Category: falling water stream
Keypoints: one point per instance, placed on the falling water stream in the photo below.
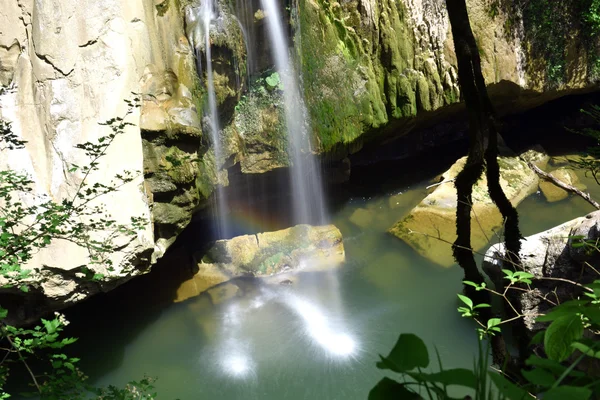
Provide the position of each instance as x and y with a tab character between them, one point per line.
308	203
201	18
307	190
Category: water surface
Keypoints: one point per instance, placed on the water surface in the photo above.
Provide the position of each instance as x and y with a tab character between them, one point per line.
316	339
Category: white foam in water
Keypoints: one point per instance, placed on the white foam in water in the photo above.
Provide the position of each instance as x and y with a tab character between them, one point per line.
237	365
235	350
317	326
235	355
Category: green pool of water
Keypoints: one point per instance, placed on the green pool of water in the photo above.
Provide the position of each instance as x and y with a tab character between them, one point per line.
316	339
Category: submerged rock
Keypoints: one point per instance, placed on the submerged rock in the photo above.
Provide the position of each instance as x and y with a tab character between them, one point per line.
552	192
430	228
362	217
549	254
299	248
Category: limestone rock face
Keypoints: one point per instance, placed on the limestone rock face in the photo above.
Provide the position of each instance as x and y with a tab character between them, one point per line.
364	64
550	254
396	60
69	66
256	137
430	228
537	156
300	248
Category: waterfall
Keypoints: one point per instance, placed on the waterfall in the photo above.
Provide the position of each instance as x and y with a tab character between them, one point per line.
200	19
246	20
307	191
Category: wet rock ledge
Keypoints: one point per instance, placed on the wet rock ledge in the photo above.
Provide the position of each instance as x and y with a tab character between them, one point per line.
300	248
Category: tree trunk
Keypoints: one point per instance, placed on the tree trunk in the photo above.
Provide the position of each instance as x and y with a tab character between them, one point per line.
483	151
483	140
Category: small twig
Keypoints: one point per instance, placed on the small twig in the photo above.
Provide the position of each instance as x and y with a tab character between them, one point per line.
548	278
587	264
440	183
535	294
35	382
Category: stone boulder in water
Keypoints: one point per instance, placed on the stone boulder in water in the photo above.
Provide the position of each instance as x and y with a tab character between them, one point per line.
300	248
549	254
430	228
552	192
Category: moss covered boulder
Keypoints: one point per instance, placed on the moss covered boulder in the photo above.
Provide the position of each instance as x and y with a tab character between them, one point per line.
256	136
300	248
368	64
430	228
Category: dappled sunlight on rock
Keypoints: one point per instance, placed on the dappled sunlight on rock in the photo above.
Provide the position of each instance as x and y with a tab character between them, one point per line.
301	248
430	227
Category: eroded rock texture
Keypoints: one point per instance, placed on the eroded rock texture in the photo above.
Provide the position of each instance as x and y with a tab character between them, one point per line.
366	65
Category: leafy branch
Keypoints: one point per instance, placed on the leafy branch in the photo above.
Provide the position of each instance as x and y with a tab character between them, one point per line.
30	223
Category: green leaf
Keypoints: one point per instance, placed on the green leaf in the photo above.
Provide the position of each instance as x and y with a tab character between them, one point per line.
3	313
50	325
538	338
560	335
492	322
554	366
509	274
568	393
466	300
507	388
585	349
389	389
577	245
593	313
567	308
408	353
539	377
273	80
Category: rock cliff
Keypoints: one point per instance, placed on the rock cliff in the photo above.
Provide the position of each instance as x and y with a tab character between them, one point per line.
395	60
366	65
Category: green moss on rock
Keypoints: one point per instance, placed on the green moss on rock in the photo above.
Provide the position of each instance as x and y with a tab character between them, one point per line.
257	137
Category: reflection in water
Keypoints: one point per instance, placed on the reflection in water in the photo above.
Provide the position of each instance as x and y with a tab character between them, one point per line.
235	354
319	329
237	364
316	338
324	328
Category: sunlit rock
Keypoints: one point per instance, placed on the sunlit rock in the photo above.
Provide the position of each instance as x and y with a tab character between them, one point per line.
418	68
554	193
537	156
300	248
549	254
430	228
71	66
